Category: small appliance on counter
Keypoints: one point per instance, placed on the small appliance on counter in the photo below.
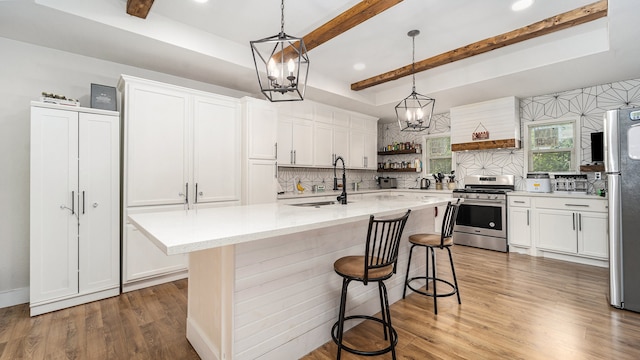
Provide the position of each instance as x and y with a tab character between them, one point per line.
575	183
388	183
425	183
538	182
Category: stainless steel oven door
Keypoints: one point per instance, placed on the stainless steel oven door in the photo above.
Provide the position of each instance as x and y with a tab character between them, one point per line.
483	217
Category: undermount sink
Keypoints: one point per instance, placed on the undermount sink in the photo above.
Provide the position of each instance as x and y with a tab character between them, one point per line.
315	204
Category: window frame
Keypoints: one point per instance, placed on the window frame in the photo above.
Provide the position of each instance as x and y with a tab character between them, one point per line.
426	166
575	152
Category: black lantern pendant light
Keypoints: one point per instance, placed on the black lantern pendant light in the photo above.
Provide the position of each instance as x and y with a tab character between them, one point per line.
415	111
282	65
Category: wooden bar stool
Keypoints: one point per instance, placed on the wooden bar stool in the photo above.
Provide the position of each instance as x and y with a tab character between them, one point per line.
377	264
444	240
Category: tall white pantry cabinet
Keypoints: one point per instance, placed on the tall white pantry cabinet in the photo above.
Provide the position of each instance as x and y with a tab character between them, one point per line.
181	152
74	206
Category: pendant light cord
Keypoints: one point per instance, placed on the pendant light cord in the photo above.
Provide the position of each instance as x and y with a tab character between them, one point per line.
413	63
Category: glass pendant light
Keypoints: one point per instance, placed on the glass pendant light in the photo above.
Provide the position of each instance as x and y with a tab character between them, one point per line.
415	111
282	65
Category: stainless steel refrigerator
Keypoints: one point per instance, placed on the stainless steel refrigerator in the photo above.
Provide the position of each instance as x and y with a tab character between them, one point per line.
622	166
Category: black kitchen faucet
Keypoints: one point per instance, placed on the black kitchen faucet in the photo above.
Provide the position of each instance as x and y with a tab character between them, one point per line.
343	197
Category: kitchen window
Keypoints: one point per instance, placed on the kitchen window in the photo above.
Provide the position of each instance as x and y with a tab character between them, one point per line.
552	146
438	155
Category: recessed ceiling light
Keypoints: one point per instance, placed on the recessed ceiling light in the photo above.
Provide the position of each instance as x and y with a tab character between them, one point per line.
359	66
521	5
201	1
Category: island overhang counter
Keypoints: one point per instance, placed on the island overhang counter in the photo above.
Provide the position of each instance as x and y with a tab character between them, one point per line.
261	280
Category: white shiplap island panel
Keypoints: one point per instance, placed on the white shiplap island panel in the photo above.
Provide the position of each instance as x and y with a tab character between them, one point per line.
261	279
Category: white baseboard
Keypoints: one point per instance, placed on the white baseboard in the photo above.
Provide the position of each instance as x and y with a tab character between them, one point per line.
57	304
14	297
153	281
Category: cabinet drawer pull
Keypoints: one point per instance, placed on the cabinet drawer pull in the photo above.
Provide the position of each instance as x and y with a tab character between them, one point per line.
578	205
518	202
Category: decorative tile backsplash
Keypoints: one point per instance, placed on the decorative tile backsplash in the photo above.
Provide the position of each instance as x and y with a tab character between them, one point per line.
589	104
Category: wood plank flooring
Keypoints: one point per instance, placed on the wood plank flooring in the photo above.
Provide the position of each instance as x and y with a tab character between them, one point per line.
513	307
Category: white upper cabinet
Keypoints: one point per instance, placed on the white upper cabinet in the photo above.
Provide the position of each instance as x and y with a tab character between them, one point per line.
295	142
216	145
157	121
363	141
333	132
182	146
261	122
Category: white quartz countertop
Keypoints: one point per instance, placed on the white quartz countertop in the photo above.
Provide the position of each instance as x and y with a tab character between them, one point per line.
310	194
176	232
556	194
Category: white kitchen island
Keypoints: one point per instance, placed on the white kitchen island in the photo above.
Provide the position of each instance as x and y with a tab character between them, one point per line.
261	279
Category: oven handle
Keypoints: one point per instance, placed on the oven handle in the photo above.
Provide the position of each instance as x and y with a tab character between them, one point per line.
483	202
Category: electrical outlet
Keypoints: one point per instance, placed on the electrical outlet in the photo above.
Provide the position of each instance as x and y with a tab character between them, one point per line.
598	176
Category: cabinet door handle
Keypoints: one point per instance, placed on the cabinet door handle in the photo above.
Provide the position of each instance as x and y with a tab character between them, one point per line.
527	217
436	211
275	155
295	157
579	222
196	193
73	203
574	220
186	190
276	172
291	157
82	202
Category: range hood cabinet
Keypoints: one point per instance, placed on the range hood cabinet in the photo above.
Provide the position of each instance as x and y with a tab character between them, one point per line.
496	124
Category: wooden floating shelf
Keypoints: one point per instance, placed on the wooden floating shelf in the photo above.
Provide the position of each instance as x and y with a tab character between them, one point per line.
485	145
398	152
591	168
398	170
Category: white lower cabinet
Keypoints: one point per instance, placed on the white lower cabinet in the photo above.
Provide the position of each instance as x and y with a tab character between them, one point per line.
74	206
519	222
153	264
573	229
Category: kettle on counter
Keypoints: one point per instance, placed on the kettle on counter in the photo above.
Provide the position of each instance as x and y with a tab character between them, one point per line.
425	183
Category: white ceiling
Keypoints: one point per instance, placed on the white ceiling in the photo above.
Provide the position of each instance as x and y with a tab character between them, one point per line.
210	43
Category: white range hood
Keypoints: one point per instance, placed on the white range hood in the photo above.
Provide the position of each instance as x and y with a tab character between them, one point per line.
493	124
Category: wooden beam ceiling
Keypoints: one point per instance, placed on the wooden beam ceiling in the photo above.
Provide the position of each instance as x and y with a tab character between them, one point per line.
139	8
352	17
562	21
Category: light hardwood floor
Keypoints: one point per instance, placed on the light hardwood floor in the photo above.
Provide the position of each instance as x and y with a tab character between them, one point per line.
513	307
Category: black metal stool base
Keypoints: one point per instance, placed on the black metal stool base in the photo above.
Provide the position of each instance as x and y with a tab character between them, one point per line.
453	291
387	329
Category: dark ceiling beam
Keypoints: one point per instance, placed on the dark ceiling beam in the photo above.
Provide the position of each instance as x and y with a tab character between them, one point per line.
352	17
559	22
139	8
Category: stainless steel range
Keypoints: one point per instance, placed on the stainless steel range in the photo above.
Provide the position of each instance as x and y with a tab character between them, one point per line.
482	218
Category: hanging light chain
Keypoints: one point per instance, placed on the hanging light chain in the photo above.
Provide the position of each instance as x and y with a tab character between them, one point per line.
282	17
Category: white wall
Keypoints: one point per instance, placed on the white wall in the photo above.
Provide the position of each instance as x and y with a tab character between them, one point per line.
26	71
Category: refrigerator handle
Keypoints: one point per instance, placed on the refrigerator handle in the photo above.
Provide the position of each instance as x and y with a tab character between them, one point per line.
615	241
611	142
